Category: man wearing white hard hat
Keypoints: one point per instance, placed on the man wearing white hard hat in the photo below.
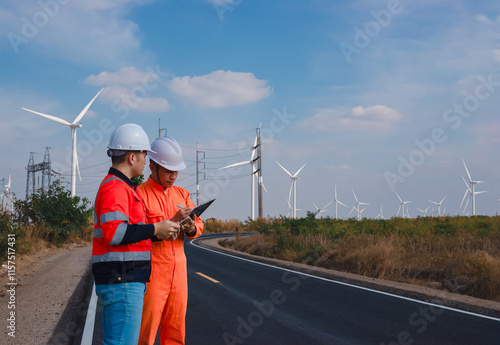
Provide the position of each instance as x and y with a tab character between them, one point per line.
165	301
121	247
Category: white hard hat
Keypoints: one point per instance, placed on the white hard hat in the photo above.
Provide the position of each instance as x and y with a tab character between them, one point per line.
128	137
167	152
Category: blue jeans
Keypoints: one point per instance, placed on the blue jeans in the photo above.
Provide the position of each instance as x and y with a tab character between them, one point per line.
122	312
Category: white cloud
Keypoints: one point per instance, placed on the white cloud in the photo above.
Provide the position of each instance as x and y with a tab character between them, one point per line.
221	89
483	18
130	87
377	118
87	32
222	2
126	97
125	76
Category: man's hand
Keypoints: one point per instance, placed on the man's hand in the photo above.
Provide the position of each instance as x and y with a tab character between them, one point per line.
181	214
188	226
166	229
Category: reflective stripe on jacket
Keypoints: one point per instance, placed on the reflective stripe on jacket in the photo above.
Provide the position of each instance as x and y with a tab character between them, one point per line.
121	247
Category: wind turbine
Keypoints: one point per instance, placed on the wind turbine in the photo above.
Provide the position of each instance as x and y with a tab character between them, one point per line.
252	163
337	201
322	209
8	205
293	185
402	206
73	125
381	214
424	211
358	203
473	193
439	206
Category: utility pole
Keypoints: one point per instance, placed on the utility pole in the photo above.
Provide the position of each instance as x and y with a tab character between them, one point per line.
161	129
259	173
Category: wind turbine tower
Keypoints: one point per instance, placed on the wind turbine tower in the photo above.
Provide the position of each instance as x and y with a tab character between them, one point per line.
337	201
73	125
472	191
293	185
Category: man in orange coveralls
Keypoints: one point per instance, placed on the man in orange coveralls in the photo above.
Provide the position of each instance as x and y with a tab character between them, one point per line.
165	301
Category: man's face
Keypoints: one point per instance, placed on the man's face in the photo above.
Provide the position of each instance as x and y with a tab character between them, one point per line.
139	163
167	177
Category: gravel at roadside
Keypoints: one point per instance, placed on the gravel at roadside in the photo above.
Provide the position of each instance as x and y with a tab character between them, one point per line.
46	283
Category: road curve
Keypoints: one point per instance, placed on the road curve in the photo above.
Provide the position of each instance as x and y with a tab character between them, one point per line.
236	301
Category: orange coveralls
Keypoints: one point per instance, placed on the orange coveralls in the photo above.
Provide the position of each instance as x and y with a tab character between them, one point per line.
165	301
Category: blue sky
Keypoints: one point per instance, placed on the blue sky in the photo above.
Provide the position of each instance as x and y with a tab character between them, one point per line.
375	96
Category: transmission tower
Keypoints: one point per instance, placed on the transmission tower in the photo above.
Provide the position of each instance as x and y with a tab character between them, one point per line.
44	168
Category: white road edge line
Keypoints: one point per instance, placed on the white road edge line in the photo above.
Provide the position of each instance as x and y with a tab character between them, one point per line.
88	330
351	285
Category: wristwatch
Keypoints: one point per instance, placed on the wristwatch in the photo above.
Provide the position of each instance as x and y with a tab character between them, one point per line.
192	233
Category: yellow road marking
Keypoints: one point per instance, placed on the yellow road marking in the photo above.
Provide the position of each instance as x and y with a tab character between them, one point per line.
207	277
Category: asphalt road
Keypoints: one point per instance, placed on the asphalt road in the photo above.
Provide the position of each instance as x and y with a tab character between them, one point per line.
236	301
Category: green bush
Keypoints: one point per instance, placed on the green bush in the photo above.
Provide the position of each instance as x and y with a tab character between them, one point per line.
61	213
8	227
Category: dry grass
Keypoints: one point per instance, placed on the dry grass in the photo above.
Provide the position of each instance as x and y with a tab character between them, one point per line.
213	225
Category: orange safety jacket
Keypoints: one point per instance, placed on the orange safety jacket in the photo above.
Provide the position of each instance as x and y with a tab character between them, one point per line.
121	247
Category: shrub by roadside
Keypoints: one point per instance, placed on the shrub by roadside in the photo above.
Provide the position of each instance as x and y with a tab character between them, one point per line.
44	219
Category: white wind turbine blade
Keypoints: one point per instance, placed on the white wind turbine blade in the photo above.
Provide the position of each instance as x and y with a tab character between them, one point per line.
434	202
340	202
467	170
353	208
466	184
235	165
298	171
50	117
8	185
355	196
466	204
420	210
324	207
84	111
399	209
290	193
481	192
284	169
465	194
442	200
400	200
262	182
